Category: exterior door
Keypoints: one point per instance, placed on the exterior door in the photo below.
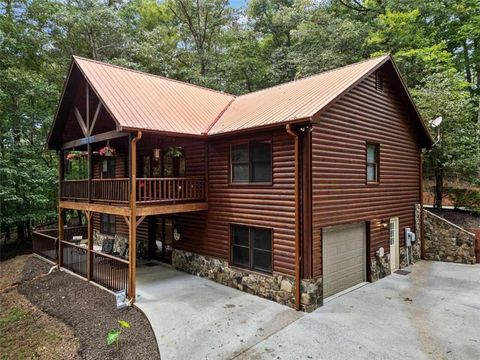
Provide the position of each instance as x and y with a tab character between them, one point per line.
394	245
344	257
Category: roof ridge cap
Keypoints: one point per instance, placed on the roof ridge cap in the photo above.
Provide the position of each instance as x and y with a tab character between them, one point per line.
153	75
314	75
219	116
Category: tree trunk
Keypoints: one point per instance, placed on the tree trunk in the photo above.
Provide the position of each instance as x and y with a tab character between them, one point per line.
7	234
438	189
20	230
29	229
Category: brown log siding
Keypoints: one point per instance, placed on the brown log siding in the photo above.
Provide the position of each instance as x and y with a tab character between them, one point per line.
339	190
270	206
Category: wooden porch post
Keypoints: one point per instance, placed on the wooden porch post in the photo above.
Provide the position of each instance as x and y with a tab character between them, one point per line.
89	245
61	219
132	226
90	172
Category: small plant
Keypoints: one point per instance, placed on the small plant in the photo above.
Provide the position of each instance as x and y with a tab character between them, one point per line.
175	152
107	151
113	336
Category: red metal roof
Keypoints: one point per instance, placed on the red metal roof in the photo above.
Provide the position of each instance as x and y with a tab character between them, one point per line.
138	100
300	99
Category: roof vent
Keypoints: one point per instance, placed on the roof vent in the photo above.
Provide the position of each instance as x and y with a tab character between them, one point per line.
378	81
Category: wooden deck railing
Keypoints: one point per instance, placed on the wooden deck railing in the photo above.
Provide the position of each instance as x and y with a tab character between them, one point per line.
149	190
109	271
115	190
170	189
74	257
74	189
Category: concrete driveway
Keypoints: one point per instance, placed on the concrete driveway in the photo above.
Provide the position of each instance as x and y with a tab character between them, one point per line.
195	318
432	313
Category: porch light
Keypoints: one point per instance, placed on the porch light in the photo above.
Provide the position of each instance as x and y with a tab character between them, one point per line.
156	154
383	224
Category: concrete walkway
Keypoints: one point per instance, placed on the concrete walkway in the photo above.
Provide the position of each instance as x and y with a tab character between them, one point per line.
432	313
195	318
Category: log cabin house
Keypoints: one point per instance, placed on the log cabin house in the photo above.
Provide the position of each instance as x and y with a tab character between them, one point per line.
293	193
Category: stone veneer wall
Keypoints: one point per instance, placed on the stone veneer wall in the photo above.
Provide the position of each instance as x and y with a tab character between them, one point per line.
276	287
445	241
380	266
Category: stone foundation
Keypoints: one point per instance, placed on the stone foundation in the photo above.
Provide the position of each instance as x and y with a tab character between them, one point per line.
380	267
276	287
445	241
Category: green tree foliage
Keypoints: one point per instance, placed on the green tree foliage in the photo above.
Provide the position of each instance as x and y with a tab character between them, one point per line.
435	43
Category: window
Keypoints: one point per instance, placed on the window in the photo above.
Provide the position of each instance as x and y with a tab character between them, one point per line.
372	162
107	224
251	162
378	81
108	168
251	248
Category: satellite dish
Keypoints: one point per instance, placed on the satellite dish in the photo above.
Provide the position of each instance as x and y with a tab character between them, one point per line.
436	122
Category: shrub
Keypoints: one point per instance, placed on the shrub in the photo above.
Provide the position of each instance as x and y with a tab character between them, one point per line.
466	198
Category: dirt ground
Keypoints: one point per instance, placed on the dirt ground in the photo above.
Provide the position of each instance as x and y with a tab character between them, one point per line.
59	316
26	331
461	218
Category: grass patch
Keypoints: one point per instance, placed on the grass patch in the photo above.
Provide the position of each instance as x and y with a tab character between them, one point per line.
15	314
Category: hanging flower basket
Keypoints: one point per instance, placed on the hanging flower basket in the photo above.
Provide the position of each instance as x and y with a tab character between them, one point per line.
107	151
76	155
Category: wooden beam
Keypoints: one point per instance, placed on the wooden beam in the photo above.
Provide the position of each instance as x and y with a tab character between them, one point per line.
95	117
89	246
171	209
81	122
102	208
139	221
127	220
93	139
87	107
61	235
90	171
132	229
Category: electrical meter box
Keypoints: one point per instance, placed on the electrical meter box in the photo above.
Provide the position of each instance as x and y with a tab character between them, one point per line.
409	237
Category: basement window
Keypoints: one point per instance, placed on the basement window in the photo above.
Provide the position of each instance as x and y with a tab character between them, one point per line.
251	162
251	248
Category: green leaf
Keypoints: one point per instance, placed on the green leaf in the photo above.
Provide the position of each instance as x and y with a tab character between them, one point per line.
113	336
124	324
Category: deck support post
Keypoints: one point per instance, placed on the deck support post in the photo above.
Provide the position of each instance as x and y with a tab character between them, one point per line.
61	218
61	235
89	245
132	228
90	171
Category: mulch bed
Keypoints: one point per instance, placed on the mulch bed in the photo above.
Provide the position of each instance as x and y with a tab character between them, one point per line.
461	218
91	312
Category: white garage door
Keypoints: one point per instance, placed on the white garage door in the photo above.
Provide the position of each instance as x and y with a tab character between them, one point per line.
343	257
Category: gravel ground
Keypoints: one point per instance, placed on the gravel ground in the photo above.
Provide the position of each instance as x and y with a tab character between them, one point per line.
91	312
